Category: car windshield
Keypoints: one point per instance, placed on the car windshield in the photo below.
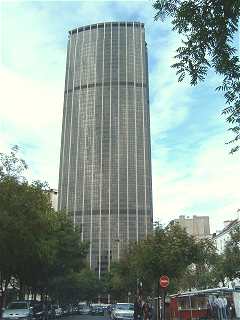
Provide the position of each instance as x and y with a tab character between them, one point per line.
125	306
17	305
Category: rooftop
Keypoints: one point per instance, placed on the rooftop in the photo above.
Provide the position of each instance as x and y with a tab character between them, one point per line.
101	25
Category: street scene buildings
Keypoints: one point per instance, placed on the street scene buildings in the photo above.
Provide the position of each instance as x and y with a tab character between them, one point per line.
197	226
87	247
105	166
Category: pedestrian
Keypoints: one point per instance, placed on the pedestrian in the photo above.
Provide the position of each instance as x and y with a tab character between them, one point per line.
146	311
138	311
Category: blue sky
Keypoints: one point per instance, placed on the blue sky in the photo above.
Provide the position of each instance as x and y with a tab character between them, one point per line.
192	170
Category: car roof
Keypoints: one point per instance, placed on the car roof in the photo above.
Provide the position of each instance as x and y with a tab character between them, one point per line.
22	301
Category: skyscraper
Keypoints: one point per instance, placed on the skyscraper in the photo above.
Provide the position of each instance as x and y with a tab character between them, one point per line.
105	161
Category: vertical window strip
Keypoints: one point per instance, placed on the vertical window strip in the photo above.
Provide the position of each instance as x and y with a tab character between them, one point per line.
60	205
135	124
78	129
100	204
70	129
118	124
126	28
93	148
144	134
110	156
88	51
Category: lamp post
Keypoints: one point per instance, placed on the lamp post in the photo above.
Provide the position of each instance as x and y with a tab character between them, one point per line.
129	294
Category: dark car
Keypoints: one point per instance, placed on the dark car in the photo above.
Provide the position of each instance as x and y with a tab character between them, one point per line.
39	310
66	310
51	311
97	310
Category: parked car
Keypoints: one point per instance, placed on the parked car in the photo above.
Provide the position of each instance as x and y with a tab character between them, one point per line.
50	311
39	310
109	309
66	310
123	311
18	310
75	309
97	309
57	310
84	310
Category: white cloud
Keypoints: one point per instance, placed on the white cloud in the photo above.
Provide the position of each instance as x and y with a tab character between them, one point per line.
31	117
211	189
170	100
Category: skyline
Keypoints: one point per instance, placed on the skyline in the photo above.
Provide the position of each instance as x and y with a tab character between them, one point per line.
192	170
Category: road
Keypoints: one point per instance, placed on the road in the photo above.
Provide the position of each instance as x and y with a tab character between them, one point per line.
84	317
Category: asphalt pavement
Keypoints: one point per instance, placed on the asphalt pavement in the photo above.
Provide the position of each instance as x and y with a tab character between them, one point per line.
84	317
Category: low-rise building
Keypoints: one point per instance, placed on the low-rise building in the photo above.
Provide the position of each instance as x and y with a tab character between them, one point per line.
221	237
197	226
53	194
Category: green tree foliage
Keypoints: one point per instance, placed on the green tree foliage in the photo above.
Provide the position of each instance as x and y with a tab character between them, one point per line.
76	286
11	166
212	268
89	284
200	274
208	28
231	256
37	244
169	251
120	280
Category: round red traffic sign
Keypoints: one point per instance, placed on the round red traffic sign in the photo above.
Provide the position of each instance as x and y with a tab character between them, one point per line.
164	281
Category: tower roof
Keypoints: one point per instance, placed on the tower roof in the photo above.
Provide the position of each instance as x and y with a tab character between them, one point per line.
101	25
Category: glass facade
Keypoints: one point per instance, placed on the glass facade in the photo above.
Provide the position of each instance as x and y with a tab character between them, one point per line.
105	163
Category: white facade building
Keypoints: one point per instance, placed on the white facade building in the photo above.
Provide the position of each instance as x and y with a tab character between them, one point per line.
54	198
221	239
223	236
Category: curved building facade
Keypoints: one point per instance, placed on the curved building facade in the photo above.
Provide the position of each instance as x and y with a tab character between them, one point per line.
105	162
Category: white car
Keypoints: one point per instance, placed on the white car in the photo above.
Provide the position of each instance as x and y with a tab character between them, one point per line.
18	310
58	311
123	311
85	310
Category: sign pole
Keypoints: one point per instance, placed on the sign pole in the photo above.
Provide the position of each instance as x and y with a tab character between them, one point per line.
158	302
164	308
164	283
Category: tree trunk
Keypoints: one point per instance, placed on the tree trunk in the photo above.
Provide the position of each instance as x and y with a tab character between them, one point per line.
21	290
3	289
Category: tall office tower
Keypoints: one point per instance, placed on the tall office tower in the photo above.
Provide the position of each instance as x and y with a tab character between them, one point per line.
105	162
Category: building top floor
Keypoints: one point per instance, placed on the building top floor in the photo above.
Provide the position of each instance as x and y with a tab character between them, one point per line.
113	24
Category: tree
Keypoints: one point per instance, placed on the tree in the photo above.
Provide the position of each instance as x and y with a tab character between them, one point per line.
62	276
11	165
231	254
120	280
201	274
208	28
25	221
212	268
36	243
226	266
89	284
168	251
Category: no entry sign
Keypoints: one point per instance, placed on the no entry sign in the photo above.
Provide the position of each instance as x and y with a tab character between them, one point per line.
164	281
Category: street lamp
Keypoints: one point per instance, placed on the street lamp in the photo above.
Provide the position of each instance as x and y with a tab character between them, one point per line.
129	294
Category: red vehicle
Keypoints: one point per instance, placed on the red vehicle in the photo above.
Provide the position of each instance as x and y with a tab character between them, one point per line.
217	303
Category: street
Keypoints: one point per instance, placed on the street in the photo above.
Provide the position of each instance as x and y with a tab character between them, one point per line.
84	317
